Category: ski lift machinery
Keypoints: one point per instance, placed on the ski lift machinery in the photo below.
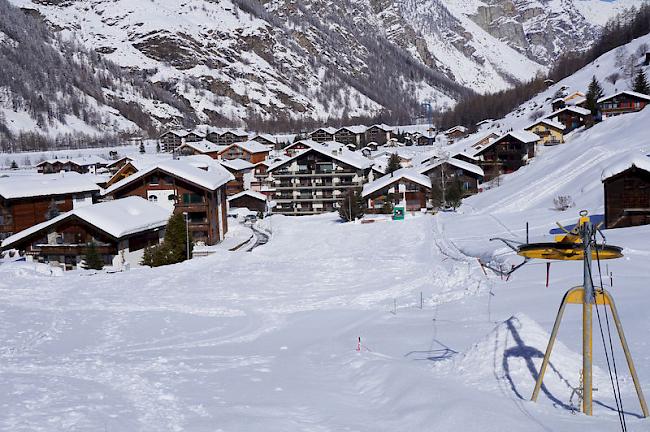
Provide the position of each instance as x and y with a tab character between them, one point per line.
580	243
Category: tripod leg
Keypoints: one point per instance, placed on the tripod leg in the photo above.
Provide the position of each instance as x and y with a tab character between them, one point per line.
549	348
628	355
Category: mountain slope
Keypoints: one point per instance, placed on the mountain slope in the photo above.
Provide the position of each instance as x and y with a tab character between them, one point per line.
56	87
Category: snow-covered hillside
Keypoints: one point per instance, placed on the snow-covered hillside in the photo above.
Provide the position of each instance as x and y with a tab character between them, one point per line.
236	60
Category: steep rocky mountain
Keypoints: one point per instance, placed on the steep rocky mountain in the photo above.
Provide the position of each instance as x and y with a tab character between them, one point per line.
237	61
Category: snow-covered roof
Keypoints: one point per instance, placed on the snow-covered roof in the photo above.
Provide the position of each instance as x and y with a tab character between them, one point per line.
548	122
354	129
641	162
574	109
520	135
409	174
465	166
329	130
45	184
236	164
459	128
215	177
331	149
250	193
383	127
251	147
266	137
118	218
204	146
183	133
115	162
82	161
628	93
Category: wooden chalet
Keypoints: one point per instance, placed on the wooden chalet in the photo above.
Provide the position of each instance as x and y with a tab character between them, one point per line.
239	168
26	201
455	133
259	175
316	179
249	199
447	172
405	184
627	194
294	148
181	187
203	147
171	139
232	136
119	229
379	134
250	151
623	102
507	153
115	166
323	134
572	117
549	131
89	164
351	136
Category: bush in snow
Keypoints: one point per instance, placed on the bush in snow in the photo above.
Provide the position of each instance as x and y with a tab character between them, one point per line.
563	202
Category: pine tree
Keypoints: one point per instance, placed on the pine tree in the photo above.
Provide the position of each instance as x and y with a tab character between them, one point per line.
393	164
157	147
173	249
142	150
388	204
92	260
436	194
454	195
13	165
352	207
640	84
594	93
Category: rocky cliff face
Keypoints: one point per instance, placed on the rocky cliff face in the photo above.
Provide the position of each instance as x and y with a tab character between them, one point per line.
242	60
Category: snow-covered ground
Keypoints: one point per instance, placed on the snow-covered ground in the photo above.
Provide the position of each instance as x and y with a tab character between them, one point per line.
267	340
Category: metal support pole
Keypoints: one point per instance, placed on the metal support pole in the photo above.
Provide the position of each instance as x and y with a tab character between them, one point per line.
587	323
628	355
549	347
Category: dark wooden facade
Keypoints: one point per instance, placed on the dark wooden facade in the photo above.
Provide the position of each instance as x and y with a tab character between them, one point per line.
504	156
17	214
201	205
247	201
378	135
235	151
57	166
322	135
415	193
350	137
170	140
66	243
623	103
572	118
627	198
447	175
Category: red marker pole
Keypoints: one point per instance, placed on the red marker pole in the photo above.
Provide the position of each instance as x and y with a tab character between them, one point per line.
548	270
359	344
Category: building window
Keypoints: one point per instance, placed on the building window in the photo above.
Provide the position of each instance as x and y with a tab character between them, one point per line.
153	199
192	198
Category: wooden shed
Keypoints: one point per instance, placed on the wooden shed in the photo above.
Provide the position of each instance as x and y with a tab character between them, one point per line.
627	193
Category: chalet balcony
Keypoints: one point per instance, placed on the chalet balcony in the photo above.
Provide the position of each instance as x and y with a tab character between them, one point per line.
71	249
284	174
